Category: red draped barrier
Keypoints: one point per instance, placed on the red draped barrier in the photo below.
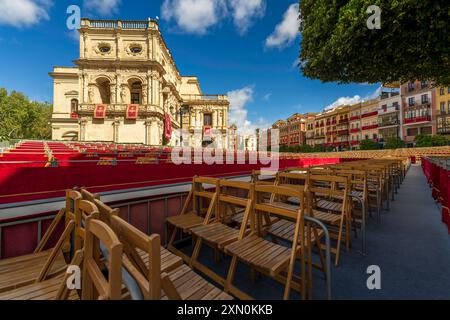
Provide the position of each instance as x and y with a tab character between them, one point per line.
439	180
26	184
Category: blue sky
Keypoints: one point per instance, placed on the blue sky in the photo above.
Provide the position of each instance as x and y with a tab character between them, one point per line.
247	48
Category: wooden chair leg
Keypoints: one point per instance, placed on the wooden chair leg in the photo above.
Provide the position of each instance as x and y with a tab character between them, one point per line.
231	274
195	253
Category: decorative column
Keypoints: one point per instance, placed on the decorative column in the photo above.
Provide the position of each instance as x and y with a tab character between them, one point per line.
83	123
113	92
214	118
160	132
116	126
148	131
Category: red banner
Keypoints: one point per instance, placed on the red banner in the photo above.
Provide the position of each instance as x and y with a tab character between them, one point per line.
132	112
168	127
207	133
100	112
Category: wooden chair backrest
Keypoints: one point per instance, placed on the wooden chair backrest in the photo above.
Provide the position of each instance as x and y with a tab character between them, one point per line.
328	186
83	210
199	194
284	191
95	285
147	277
68	213
105	212
72	196
233	201
88	195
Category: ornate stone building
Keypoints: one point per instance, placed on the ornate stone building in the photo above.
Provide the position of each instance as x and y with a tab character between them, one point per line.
126	88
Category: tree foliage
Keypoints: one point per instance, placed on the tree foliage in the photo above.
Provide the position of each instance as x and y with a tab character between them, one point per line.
394	143
423	140
413	42
369	145
21	118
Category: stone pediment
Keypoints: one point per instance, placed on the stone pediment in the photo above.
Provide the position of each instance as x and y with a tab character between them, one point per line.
72	93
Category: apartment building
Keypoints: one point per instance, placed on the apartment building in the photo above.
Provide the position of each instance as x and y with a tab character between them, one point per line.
355	125
419	109
369	120
443	111
389	115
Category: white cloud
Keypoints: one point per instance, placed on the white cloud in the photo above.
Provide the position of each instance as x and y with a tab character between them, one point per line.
344	101
23	13
238	113
193	16
102	7
287	30
199	16
267	96
245	12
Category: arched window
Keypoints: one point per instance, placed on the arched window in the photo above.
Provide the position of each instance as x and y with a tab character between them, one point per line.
74	105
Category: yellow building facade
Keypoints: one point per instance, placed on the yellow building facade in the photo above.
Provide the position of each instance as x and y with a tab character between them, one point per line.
443	112
126	88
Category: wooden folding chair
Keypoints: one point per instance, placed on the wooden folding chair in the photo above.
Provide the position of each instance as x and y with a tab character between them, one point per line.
21	271
218	234
55	288
169	261
95	285
330	205
189	219
180	283
266	257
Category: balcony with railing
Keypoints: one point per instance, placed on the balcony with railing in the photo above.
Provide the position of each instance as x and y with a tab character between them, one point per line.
355	118
355	130
205	98
345	120
388	123
370	127
416	120
119	24
369	114
343	132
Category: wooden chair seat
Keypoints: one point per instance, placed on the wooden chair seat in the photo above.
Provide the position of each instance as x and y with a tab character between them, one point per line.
25	274
185	221
46	290
260	253
284	229
169	261
191	286
217	234
17	262
329	205
328	218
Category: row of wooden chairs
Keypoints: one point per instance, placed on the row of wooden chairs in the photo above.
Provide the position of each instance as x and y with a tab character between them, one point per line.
136	265
214	223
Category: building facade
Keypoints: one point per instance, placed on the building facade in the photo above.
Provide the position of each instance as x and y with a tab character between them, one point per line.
443	111
126	88
419	111
355	126
369	120
389	116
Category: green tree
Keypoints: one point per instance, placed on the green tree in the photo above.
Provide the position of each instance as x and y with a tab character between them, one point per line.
22	119
423	140
369	145
413	42
319	148
439	141
394	143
